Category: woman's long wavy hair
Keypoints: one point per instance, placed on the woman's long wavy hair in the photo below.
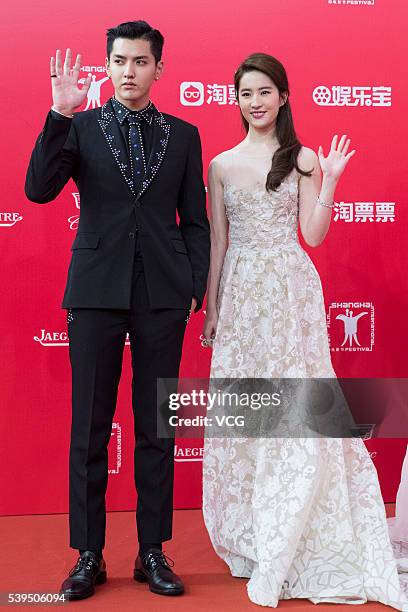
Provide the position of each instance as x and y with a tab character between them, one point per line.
285	158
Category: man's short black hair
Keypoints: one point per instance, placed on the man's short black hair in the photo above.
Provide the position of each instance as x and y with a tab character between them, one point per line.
133	30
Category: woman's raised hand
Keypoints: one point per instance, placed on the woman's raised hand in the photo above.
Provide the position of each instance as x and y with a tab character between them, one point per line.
333	165
66	94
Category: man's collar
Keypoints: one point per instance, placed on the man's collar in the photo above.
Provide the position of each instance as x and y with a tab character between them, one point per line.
121	111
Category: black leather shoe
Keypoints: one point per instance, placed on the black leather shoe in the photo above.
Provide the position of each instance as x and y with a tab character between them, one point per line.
82	579
154	569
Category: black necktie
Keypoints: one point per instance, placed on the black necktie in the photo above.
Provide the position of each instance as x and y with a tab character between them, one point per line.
137	154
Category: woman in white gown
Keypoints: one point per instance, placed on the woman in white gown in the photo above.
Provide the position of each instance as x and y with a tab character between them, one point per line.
299	517
398	525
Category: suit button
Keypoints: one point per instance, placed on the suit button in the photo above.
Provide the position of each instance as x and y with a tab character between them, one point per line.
131	235
137	203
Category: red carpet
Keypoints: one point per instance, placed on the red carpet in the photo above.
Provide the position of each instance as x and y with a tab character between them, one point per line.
35	558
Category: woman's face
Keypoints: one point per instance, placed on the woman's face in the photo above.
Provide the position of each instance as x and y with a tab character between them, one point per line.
259	99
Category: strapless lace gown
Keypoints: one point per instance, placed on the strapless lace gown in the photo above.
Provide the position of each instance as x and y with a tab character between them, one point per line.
300	517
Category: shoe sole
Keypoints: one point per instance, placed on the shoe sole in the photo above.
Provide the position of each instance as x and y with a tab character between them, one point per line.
140	577
101	578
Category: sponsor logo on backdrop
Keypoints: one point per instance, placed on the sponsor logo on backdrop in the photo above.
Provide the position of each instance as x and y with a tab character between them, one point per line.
350	326
192	93
352	2
9	219
361	212
74	219
195	93
188	454
350	95
52	338
115	455
49	338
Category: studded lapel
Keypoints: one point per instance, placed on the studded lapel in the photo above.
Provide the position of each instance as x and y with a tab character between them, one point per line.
161	134
114	139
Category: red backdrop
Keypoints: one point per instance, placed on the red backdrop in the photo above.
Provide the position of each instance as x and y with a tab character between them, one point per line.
345	63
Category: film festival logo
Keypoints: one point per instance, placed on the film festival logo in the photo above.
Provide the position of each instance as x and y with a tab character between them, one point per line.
115	455
94	93
349	95
9	219
350	326
351	2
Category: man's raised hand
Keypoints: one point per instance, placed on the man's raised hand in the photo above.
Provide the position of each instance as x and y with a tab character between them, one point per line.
66	94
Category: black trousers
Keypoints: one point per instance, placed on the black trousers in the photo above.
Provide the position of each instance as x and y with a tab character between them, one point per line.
97	339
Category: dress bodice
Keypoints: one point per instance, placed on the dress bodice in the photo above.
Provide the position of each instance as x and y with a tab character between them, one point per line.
258	217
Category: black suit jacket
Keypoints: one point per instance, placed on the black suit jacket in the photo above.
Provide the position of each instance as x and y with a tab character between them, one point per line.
90	149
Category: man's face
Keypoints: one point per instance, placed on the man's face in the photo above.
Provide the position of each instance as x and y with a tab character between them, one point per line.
133	69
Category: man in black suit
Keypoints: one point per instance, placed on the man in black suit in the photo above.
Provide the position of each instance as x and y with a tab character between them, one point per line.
133	269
